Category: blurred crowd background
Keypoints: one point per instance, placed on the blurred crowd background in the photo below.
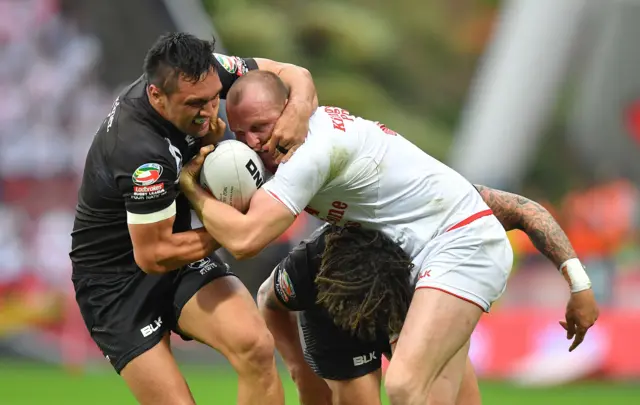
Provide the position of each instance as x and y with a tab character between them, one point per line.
536	97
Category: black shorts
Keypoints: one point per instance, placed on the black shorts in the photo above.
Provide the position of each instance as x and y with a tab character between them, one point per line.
127	312
333	353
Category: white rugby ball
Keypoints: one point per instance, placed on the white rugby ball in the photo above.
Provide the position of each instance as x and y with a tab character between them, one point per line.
233	172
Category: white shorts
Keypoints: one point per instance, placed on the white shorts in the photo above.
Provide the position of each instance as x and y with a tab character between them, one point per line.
471	262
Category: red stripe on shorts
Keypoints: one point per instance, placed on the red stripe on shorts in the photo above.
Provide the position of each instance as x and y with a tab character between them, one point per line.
453	295
469	220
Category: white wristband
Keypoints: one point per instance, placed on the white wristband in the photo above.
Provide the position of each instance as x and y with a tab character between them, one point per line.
573	272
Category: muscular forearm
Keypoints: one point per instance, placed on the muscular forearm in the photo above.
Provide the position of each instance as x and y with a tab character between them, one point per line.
217	218
183	248
302	93
517	212
550	240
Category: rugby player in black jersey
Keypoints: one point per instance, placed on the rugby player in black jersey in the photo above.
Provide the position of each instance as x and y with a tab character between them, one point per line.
139	270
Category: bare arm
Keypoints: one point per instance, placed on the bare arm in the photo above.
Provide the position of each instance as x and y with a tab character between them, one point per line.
243	235
157	249
302	96
517	212
292	127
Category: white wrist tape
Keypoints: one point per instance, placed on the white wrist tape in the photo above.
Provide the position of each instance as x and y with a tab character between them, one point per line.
573	272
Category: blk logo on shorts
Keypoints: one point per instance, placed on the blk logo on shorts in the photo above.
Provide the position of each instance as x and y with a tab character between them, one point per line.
151	328
364	359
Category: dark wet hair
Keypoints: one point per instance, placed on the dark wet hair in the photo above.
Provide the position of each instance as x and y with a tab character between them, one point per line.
178	54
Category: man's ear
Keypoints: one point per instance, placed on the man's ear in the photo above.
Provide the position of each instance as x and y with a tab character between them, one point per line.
155	95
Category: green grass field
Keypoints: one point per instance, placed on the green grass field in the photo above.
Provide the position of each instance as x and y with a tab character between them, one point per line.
25	384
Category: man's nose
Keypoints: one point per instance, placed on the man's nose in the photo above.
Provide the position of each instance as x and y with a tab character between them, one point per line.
208	110
253	141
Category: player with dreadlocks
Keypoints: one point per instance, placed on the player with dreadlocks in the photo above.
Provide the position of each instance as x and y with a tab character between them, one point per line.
365	270
344	339
352	288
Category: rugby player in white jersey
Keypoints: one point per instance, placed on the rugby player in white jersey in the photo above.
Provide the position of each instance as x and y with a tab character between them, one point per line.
355	172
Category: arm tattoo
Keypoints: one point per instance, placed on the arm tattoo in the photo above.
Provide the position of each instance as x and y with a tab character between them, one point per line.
517	212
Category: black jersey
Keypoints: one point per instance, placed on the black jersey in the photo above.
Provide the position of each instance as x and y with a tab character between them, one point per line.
132	167
331	352
294	277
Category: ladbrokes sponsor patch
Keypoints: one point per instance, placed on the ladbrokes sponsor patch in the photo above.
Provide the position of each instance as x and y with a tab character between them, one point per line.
148	192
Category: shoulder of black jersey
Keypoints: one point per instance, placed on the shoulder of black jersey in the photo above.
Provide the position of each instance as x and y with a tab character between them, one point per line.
137	143
283	286
234	65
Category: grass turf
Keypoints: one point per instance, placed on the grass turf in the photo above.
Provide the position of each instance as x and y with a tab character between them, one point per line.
36	384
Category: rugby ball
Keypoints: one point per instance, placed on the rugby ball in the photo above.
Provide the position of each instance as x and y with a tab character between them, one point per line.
233	172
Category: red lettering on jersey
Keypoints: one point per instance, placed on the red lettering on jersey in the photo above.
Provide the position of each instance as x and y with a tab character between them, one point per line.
339	205
385	129
334	216
338	125
311	211
338	117
336	213
352	224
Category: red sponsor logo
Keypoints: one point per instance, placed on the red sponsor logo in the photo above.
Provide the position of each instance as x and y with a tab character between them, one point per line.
338	117
385	129
149	189
335	214
311	211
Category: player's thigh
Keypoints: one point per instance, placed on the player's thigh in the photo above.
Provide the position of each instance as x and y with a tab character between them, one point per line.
126	313
222	314
357	391
155	379
437	326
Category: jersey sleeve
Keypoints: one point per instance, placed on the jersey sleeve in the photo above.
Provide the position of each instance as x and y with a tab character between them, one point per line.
297	181
146	176
294	276
230	68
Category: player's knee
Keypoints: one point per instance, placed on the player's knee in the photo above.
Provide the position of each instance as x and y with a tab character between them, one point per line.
255	351
402	384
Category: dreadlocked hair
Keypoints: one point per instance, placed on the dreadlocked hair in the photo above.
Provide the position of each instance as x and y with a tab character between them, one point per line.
364	282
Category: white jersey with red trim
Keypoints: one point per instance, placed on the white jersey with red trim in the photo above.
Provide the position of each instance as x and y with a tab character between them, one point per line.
351	171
